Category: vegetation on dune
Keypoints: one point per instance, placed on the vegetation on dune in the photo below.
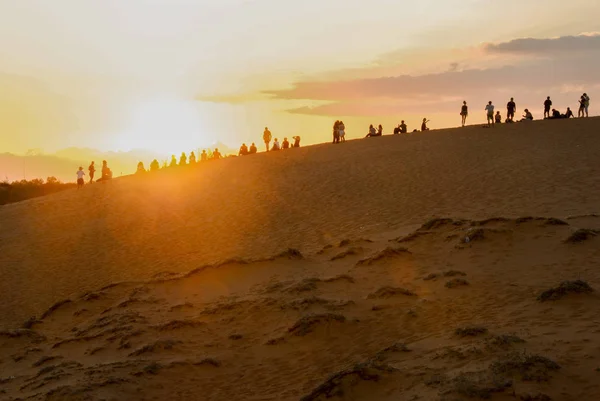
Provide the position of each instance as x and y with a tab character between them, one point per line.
566	287
18	191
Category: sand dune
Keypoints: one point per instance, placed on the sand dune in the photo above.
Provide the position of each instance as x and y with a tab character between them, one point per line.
317	273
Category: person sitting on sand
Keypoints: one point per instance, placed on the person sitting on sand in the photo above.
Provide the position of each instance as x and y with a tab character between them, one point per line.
267	138
403	128
92	170
424	125
397	130
527	116
296	141
243	150
372	131
285	144
106	172
275	145
192	158
342	131
556	114
464	112
203	156
183	159
80	175
216	154
489	108
569	113
379	130
498	118
140	168
253	149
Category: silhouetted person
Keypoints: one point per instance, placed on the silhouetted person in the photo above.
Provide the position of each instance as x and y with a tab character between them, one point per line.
192	158
140	168
397	130
106	172
216	154
342	131
547	105
490	113
275	145
243	150
80	175
92	170
285	144
424	125
154	166
586	104
173	161
296	141
203	156
569	113
267	138
511	108
403	128
336	132
556	114
253	149
464	112
527	116
379	130
372	131
498	118
183	159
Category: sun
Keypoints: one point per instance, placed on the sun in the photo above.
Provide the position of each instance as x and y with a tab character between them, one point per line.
165	125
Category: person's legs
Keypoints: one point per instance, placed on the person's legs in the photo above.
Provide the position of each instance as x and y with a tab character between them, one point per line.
586	111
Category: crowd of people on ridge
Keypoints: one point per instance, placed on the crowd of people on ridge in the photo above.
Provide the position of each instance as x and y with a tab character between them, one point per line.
339	135
511	107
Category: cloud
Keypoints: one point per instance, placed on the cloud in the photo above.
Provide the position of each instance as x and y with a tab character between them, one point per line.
583	42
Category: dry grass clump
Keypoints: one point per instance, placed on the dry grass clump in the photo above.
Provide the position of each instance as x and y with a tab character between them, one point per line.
456	282
388	292
307	324
471	331
341	277
472	387
348	252
581	235
291	253
431	276
308	284
55	307
331	387
504	340
454	273
435	223
385	254
179	324
528	367
154	347
565	288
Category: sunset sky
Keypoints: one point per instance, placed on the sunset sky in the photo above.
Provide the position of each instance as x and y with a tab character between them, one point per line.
173	75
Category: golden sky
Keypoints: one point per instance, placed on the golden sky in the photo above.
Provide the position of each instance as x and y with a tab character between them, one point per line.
172	75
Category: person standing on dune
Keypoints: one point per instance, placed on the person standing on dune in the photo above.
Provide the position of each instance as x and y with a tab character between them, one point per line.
464	112
267	138
547	105
490	113
586	104
511	109
92	170
80	174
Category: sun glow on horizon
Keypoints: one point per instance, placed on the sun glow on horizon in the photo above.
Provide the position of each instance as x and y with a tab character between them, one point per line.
166	125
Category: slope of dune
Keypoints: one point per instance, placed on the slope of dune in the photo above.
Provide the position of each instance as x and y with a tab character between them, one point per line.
178	285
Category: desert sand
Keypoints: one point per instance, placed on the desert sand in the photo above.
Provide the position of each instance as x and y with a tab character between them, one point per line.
447	265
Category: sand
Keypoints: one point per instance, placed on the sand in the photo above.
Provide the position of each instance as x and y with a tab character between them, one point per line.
180	285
